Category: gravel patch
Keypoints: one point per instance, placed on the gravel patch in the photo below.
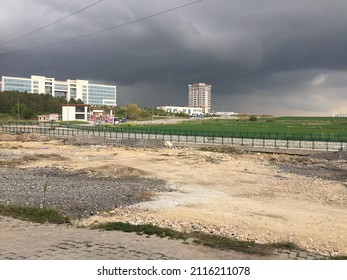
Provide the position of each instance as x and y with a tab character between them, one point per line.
97	140
331	156
332	172
330	166
75	194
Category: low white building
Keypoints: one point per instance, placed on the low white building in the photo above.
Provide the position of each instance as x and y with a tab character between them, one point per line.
192	111
226	114
76	112
340	115
48	118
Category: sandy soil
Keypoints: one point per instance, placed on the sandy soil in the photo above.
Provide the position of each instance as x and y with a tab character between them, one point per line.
250	196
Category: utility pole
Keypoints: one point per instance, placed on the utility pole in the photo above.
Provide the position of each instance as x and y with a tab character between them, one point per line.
152	114
18	115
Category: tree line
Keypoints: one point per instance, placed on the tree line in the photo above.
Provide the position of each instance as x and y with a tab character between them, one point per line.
29	105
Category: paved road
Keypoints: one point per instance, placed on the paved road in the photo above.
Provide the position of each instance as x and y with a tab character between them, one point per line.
25	240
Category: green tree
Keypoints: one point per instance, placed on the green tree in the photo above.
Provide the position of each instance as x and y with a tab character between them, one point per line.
119	112
23	111
132	111
72	101
181	115
253	118
27	113
34	103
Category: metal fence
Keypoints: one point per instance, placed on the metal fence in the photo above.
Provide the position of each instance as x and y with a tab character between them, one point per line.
227	134
69	131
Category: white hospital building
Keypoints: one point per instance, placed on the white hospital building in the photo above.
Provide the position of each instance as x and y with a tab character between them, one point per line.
92	94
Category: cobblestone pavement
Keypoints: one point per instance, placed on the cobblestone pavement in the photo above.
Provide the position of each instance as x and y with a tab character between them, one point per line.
25	240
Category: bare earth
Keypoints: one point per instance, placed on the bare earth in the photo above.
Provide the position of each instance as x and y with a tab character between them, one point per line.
250	196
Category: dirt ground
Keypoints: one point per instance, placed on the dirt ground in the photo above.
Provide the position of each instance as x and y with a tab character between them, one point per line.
249	196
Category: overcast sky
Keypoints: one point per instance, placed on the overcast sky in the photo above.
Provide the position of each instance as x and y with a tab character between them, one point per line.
281	57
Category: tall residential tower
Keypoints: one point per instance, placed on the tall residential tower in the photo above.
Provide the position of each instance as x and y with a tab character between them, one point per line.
200	96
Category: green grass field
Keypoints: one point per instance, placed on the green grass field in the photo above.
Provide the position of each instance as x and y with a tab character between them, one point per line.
284	128
296	128
7	117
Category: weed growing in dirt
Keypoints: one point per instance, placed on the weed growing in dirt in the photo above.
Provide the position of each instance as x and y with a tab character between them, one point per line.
34	214
143	229
214	241
339	258
225	243
286	245
222	150
212	160
44	192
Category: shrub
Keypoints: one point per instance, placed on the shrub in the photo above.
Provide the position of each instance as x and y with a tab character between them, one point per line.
253	118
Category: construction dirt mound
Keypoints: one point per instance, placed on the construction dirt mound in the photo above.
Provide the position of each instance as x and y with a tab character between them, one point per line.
97	140
23	137
7	137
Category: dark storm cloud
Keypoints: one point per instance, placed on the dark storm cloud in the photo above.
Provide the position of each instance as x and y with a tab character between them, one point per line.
268	56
